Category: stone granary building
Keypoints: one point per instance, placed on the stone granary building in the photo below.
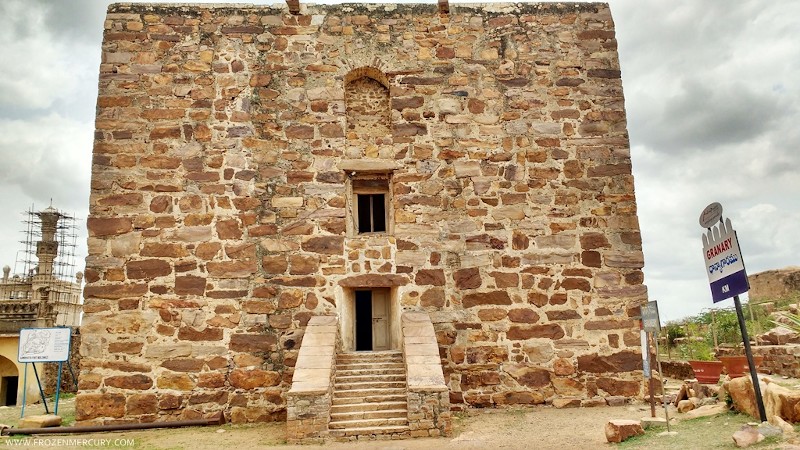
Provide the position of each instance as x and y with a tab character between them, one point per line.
285	199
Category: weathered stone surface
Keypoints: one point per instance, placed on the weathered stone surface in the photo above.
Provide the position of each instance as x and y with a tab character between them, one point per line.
227	176
618	430
486	298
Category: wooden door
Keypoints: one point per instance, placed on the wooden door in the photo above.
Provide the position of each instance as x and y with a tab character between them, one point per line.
380	319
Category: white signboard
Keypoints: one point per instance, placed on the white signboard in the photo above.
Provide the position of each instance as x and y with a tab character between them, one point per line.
44	344
724	262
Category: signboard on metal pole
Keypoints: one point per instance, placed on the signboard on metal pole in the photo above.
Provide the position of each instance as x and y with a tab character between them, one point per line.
727	277
39	345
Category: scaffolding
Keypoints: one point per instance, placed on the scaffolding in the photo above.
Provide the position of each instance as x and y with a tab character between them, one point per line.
61	280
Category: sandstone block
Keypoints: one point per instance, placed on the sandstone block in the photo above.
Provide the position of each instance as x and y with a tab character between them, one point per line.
618	430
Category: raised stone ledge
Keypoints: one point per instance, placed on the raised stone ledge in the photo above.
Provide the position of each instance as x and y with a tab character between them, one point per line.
428	396
308	402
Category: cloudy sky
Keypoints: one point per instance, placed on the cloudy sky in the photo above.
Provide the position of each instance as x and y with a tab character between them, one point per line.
712	94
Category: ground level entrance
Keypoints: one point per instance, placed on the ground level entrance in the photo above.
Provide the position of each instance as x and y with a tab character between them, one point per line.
372	311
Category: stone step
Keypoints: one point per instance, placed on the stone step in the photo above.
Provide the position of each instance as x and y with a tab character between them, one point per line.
346	358
368	423
375	396
347	432
375	384
362	415
369	406
376	371
370	366
343	379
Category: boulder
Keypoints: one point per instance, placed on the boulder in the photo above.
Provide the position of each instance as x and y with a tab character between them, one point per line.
618	430
781	402
741	393
685	406
778	336
706	411
41	421
747	436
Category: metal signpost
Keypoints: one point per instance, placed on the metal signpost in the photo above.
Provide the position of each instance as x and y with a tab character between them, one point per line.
728	277
651	323
38	345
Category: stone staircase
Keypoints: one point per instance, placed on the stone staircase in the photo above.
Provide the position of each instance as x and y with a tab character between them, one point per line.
370	399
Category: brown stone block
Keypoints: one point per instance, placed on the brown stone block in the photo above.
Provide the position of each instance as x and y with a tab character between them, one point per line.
609	324
596	34
165	133
518	398
624	388
99	226
169	401
231	269
401	103
604	73
258	307
492	314
176	381
486	298
129	347
559	298
260	80
252	342
580	284
211	380
591	259
183	364
148	269
137	382
138	404
563	314
128	199
89	406
625	361
505	280
326	245
253	378
485	355
537	298
434	297
299	132
228	229
192	334
163	250
303	265
409	129
549	331
430	277
280	321
190	285
523	315
115	291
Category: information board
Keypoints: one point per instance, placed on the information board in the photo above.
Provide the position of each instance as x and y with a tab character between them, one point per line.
44	344
650	321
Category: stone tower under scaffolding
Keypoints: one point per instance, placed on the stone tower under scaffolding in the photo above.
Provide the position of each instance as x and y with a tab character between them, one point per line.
46	291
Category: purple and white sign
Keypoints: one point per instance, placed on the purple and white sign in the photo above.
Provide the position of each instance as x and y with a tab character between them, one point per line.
724	262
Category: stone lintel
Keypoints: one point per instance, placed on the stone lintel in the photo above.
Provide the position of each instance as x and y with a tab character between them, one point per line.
444	6
368	165
374	280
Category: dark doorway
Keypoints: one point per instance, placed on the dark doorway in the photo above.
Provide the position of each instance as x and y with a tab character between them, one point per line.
363	320
10	386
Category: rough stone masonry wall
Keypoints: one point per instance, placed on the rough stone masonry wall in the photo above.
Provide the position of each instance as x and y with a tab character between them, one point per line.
218	210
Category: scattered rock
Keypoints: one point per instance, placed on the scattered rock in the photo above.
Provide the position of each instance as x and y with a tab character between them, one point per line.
747	436
618	430
706	411
41	421
685	406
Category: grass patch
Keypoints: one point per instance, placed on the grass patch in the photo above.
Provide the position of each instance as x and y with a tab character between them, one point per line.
704	432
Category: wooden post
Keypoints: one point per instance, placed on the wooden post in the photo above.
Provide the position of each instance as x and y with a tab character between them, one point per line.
714	329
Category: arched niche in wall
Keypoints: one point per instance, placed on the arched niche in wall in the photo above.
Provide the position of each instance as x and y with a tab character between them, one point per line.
369	127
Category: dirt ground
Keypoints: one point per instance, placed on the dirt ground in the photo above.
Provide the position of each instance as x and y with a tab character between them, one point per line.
537	427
